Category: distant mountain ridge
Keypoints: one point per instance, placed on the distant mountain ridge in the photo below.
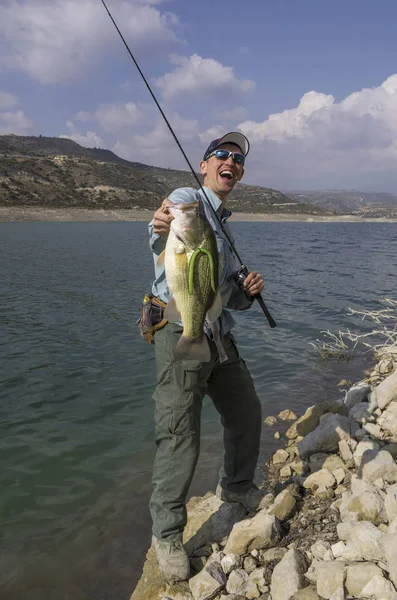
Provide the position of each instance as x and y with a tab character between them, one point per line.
347	201
58	172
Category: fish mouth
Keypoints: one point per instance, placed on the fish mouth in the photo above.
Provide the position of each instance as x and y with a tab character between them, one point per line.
190	206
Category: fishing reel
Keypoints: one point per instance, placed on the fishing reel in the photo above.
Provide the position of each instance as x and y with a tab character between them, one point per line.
240	276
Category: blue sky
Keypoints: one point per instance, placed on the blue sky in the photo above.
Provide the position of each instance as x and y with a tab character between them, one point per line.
313	84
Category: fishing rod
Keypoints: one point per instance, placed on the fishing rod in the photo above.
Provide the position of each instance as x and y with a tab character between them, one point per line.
243	271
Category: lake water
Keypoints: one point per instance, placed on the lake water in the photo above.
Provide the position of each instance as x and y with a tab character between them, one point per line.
76	425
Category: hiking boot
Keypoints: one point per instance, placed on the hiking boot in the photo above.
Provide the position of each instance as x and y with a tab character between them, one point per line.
172	560
253	499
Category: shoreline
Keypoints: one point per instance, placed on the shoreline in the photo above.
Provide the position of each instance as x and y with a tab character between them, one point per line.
328	527
15	214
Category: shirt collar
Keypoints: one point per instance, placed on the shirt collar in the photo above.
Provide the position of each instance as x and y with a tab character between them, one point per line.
216	203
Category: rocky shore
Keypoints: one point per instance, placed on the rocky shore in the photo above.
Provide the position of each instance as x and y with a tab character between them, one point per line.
329	527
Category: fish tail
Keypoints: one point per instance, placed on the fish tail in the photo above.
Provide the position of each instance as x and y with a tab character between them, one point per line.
192	349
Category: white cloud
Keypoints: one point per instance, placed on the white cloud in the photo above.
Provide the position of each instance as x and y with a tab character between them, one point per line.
15	122
201	75
234	114
90	139
326	143
7	100
56	41
113	117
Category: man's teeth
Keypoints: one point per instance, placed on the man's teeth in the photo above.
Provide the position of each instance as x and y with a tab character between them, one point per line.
227	174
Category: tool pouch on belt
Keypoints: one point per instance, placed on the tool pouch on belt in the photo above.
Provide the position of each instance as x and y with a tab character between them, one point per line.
152	317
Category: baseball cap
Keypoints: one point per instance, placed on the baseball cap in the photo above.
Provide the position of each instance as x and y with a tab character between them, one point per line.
234	137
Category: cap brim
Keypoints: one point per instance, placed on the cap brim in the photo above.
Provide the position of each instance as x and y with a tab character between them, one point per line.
237	138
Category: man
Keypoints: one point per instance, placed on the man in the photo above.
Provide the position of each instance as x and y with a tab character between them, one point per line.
181	385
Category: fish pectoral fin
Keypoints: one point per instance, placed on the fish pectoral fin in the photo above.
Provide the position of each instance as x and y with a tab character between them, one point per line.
171	312
189	349
161	259
215	311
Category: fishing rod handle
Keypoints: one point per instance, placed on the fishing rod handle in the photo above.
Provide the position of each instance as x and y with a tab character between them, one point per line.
239	278
263	306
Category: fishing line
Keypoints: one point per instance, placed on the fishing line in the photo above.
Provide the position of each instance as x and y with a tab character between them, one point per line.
243	269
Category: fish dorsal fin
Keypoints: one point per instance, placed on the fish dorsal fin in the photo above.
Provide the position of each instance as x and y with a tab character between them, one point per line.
215	310
171	312
161	259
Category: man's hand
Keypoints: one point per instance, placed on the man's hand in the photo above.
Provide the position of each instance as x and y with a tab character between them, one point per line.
254	284
162	219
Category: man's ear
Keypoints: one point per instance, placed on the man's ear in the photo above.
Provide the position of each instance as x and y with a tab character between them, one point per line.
203	167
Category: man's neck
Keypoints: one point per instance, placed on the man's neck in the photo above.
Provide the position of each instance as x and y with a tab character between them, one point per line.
222	196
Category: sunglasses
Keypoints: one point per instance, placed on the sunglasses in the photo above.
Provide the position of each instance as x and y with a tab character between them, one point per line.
238	158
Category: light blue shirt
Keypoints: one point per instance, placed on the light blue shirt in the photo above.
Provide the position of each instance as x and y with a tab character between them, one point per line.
232	296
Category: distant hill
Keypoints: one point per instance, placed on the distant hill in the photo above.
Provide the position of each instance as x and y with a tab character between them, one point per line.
349	201
58	172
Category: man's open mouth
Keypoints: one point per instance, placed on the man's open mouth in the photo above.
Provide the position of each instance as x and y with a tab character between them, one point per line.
227	174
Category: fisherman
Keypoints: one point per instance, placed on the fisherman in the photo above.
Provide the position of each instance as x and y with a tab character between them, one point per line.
182	384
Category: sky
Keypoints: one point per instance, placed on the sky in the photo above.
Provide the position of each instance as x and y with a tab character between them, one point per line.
312	83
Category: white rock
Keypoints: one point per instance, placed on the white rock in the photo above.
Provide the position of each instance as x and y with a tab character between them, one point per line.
319	548
311	573
338	549
258	576
206	584
379	588
284	506
358	575
385	366
374	430
390	547
344	530
286	471
393	526
388	420
376	464
330	577
369	506
339	594
385	392
380	483
288	576
363	446
345	513
391	502
326	437
280	457
345	451
330	462
270	421
339	475
322	478
240	583
366	540
287	415
230	562
357	393
262	531
209	519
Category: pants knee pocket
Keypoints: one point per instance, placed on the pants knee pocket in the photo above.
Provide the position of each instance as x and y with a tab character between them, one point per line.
176	418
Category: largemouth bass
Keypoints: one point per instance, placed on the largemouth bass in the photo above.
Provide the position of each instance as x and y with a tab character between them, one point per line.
192	272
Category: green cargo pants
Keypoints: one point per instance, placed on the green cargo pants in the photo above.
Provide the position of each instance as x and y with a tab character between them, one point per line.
181	387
